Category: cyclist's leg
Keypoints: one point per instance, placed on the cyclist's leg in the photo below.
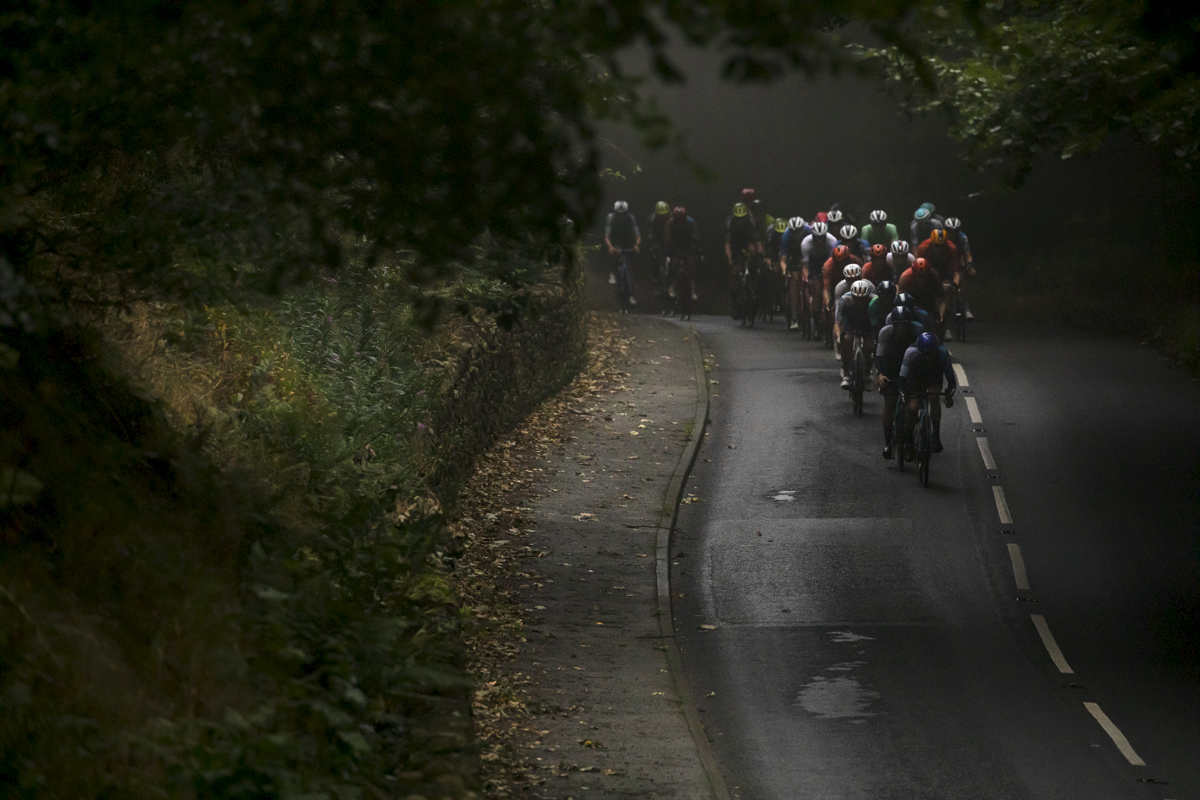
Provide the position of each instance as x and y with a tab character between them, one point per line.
846	350
889	419
935	413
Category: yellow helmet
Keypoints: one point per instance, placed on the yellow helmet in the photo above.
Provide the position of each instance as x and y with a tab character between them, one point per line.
661	208
781	225
740	209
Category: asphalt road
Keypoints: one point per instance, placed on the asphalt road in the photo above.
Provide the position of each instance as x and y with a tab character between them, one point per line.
850	634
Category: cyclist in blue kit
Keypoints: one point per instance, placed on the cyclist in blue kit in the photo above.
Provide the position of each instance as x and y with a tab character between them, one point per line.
926	364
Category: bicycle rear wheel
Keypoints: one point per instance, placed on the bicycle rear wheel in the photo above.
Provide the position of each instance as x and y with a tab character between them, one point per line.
924	448
858	380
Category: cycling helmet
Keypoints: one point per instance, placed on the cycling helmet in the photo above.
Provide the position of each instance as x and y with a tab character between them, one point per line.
899	247
679	213
922	214
848	232
952	223
796	223
878	251
861	289
920	265
841	253
740	209
905	299
878	216
835	217
937	236
662	208
781	225
900	314
819	229
927	342
929	206
852	272
620	206
747	195
886	289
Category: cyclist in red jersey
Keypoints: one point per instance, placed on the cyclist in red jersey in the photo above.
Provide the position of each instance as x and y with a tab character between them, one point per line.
833	268
925	285
941	254
877	269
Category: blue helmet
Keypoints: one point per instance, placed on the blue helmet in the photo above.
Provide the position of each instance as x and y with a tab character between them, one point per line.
922	214
907	300
900	314
927	343
886	289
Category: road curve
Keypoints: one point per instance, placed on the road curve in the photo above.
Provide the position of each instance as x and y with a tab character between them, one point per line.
1026	627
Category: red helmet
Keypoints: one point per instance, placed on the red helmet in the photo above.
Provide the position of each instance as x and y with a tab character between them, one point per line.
841	253
920	266
878	251
679	213
747	195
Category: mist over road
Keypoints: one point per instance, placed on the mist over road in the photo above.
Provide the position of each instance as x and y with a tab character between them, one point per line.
872	638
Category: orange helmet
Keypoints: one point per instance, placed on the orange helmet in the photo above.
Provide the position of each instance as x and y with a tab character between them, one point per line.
920	266
841	253
878	251
937	236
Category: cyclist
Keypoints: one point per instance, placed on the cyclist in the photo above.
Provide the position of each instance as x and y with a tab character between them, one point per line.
941	254
741	239
774	252
879	230
621	233
900	258
882	303
836	263
922	224
848	235
958	237
682	243
850	274
919	314
877	268
924	367
852	319
656	224
925	285
894	340
793	263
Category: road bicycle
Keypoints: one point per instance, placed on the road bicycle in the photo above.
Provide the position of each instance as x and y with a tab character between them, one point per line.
625	280
898	448
859	371
923	437
958	311
685	285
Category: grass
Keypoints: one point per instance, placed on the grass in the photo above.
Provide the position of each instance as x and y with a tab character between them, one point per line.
225	571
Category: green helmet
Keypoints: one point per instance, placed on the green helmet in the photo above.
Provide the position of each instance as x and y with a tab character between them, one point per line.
740	209
780	224
662	208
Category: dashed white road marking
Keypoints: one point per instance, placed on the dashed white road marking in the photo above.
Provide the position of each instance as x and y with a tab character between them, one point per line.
960	374
1002	505
1115	734
973	410
1056	655
1014	553
986	451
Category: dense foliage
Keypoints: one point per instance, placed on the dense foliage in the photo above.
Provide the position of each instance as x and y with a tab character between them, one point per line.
1022	79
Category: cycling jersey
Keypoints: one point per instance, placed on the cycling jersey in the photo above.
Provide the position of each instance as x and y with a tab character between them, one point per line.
792	245
774	244
831	269
741	233
844	286
682	238
858	247
656	226
919	230
926	290
880	308
894	341
921	314
621	230
944	258
920	372
962	243
877	269
880	234
899	264
853	317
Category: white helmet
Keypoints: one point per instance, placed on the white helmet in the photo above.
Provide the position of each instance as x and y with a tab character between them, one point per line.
899	247
879	216
819	229
834	217
848	232
951	223
620	206
796	223
852	272
861	288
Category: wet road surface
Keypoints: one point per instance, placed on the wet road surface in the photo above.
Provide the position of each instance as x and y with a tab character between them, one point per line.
849	634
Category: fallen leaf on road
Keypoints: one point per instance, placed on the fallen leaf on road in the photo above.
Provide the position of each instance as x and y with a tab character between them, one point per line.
708	627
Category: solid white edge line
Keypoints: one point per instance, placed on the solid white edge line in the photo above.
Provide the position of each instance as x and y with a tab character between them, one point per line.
1056	655
1115	734
960	374
985	450
973	410
1014	553
1002	505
